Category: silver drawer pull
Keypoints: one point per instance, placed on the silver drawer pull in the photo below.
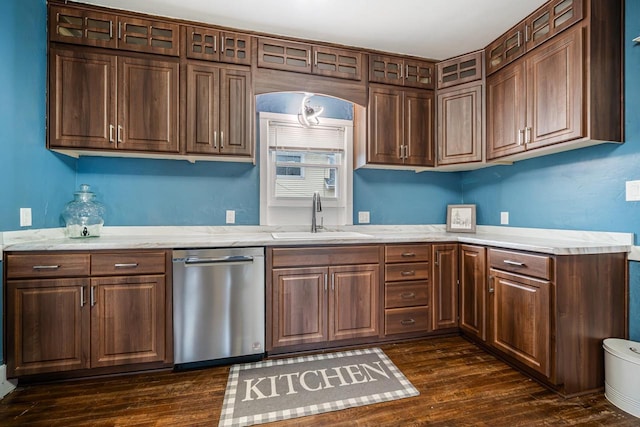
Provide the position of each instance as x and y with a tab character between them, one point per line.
408	254
516	263
408	273
408	322
408	295
46	267
129	265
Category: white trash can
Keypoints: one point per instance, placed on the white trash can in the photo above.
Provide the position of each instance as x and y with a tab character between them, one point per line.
622	374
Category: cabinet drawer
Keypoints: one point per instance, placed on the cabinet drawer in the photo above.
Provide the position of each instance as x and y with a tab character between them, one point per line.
407	271
406	294
521	263
405	320
47	265
327	255
127	263
407	253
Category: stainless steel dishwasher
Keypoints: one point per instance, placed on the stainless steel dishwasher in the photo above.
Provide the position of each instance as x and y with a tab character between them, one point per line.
218	306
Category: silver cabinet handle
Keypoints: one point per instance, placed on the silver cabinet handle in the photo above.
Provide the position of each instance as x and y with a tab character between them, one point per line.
333	281
408	295
309	57
527	139
516	263
119	30
215	43
408	322
520	136
215	139
120	132
408	254
110	30
491	289
325	281
128	265
92	296
315	58
519	38
526	33
408	273
111	127
221	139
81	296
46	267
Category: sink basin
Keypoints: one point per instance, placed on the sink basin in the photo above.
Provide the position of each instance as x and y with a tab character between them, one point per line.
307	235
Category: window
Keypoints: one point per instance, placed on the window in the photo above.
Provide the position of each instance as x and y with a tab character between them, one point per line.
296	161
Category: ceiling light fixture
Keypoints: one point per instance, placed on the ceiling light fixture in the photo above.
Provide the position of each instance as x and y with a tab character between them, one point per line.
308	115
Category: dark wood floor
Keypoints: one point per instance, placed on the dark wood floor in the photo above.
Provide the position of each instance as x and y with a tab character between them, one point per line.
459	384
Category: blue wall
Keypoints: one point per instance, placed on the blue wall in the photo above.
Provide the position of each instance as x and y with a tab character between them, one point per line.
581	189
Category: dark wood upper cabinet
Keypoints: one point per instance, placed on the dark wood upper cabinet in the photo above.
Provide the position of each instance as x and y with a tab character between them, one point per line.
401	71
460	124
341	63
82	99
210	44
284	55
80	25
148	111
461	69
551	19
218	110
419	128
505	49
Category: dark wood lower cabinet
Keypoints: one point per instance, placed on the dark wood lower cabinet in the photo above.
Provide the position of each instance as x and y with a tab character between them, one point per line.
48	326
60	327
473	290
445	286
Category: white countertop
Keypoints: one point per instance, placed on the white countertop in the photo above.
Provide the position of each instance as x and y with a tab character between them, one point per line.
555	242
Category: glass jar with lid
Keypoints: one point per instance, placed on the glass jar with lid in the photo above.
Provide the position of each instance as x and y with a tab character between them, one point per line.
84	216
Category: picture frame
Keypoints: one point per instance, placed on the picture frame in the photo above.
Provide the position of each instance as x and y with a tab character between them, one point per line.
461	218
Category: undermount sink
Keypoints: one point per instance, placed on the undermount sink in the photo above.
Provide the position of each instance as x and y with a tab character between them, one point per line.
303	235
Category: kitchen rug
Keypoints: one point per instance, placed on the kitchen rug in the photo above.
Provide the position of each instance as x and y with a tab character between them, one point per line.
280	389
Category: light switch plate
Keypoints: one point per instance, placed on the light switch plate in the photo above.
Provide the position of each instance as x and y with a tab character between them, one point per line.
363	217
633	191
231	217
25	217
504	218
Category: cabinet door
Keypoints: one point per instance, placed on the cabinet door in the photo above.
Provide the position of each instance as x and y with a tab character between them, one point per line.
520	319
283	55
419	74
235	48
550	19
473	290
506	111
202	43
331	62
127	320
144	35
47	326
82	100
506	48
148	105
299	306
203	109
459	70
385	125
460	133
235	112
79	26
554	91
354	296
386	69
419	115
445	286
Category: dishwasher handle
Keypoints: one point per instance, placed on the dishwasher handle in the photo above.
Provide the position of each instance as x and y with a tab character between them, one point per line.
232	259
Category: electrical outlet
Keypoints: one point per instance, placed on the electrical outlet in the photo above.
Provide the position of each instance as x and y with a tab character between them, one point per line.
25	217
231	217
632	191
363	217
504	218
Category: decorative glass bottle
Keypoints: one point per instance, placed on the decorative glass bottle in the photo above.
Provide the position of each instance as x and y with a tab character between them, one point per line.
83	215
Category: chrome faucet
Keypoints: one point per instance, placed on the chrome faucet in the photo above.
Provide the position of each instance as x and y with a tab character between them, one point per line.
316	207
